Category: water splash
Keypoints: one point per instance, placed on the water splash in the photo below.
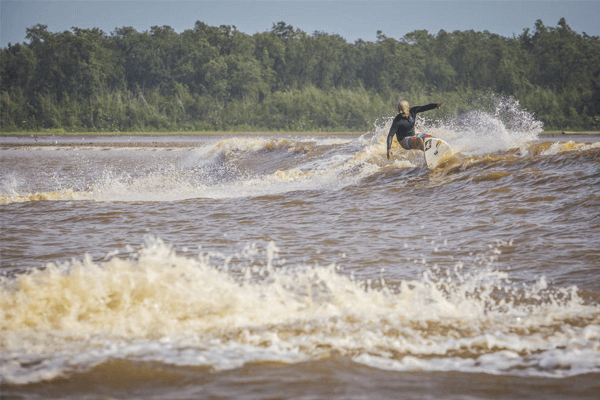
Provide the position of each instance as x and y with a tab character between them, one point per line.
243	167
495	123
490	123
222	311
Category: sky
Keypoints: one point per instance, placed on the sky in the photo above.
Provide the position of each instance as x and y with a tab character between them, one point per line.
352	20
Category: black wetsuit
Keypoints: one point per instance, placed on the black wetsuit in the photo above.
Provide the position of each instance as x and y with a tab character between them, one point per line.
405	127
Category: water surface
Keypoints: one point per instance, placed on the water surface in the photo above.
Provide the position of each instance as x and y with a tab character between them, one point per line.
291	266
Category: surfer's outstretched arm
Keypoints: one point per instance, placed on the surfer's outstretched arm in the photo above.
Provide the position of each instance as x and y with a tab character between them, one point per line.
418	109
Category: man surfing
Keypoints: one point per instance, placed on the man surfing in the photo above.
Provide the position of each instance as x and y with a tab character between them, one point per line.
404	126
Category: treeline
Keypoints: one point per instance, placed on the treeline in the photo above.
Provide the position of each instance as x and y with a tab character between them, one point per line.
218	78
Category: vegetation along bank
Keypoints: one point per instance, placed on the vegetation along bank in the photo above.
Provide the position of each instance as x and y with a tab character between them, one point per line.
218	78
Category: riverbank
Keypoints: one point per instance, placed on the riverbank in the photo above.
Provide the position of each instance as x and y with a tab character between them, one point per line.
177	140
569	134
60	132
146	141
177	133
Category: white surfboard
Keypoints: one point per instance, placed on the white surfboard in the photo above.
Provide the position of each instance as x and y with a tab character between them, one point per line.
436	151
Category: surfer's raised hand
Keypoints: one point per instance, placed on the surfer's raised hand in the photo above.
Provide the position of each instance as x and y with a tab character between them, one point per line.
440	104
388	154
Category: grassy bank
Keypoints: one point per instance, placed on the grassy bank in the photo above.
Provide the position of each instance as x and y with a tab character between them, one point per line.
178	133
62	132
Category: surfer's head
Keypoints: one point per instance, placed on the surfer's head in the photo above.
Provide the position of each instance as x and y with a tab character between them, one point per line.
404	108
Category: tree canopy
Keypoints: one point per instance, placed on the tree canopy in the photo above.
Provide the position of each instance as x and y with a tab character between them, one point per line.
218	78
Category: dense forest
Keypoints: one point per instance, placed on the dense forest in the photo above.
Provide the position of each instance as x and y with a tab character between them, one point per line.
218	78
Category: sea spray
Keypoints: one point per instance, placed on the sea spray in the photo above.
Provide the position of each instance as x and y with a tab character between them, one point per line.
156	305
490	123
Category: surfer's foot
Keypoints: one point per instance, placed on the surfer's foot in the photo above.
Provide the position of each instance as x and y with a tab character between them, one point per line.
421	144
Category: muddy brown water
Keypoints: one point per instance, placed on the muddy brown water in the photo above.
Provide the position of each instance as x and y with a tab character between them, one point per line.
291	266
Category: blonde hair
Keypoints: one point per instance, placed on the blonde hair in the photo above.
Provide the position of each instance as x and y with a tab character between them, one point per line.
404	108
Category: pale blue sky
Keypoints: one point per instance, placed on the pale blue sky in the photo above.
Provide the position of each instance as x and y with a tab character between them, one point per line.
350	19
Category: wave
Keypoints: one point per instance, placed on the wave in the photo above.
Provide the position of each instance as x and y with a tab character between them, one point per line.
259	167
222	311
497	123
255	166
270	167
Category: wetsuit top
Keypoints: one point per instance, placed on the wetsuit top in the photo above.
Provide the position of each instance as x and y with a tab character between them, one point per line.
403	127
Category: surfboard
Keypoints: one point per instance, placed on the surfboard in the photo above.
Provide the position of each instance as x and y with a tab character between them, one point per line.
436	151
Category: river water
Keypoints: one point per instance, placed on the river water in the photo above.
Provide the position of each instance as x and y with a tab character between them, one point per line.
301	266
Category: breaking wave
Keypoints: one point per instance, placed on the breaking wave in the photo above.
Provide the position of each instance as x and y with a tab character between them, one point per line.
225	310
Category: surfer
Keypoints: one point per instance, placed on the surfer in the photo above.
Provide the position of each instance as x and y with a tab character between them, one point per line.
404	126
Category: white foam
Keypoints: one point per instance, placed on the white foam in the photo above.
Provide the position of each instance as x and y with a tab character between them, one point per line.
158	306
561	147
213	172
497	123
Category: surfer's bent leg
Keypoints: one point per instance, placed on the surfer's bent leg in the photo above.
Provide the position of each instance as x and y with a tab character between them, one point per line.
412	143
405	143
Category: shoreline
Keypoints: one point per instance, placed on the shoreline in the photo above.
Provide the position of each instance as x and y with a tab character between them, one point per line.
158	140
144	141
167	134
227	133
